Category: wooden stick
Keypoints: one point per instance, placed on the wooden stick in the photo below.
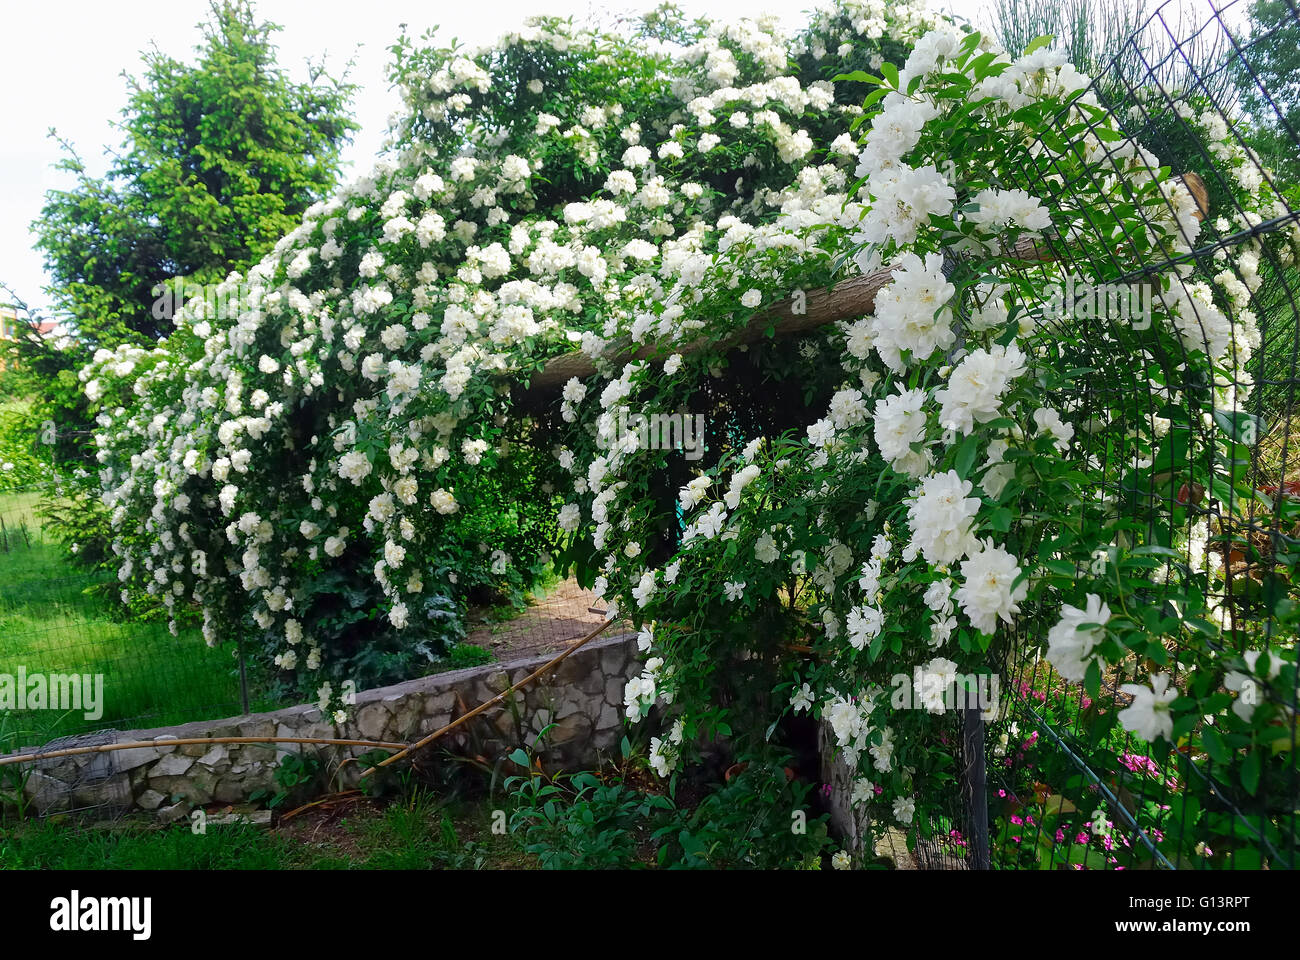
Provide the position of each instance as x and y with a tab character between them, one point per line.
852	298
316	803
499	698
108	747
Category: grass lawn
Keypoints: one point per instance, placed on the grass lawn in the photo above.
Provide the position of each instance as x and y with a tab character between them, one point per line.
415	833
50	623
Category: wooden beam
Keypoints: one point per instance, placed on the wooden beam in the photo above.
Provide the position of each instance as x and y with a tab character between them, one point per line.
853	298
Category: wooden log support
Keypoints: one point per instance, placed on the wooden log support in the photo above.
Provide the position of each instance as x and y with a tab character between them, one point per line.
853	298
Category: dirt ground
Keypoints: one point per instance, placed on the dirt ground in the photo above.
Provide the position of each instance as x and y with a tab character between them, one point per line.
561	614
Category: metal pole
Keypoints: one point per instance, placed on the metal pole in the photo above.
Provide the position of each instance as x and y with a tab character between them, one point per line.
243	676
973	784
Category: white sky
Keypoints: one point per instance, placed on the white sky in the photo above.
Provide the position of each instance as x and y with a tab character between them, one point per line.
62	62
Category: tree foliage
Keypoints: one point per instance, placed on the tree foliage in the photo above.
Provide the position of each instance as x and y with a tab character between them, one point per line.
219	159
1271	91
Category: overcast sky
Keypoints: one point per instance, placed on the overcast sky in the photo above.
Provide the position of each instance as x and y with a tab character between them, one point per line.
63	59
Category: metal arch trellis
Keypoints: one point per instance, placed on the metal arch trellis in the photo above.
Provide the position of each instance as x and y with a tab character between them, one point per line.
1160	118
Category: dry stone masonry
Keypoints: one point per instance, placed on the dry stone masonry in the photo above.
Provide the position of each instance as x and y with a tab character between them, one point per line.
581	701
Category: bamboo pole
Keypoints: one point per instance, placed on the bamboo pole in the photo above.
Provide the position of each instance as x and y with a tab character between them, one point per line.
109	747
852	298
499	698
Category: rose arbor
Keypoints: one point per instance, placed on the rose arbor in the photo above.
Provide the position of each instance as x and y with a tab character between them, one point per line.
850	250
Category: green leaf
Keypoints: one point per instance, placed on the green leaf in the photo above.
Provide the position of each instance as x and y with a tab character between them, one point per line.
1156	550
1092	679
1038	42
874	95
1062	567
1240	426
979	67
1250	772
1214	745
966	454
1246	858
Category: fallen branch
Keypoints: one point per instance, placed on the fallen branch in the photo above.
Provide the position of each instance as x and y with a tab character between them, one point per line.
332	798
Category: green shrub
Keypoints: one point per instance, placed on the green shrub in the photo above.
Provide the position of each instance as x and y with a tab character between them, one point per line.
757	821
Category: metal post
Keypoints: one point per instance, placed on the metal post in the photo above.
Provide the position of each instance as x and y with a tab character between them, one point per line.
243	676
973	788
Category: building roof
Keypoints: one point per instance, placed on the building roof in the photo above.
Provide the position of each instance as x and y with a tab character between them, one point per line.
7	312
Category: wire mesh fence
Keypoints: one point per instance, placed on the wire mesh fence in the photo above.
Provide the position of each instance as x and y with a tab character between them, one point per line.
1068	787
77	661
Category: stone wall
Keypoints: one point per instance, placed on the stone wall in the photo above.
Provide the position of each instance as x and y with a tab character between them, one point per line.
582	698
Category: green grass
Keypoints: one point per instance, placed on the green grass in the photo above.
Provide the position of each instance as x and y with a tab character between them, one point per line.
417	833
52	622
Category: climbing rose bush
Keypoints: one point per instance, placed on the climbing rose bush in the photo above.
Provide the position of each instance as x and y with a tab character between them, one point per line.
955	509
325	455
944	501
